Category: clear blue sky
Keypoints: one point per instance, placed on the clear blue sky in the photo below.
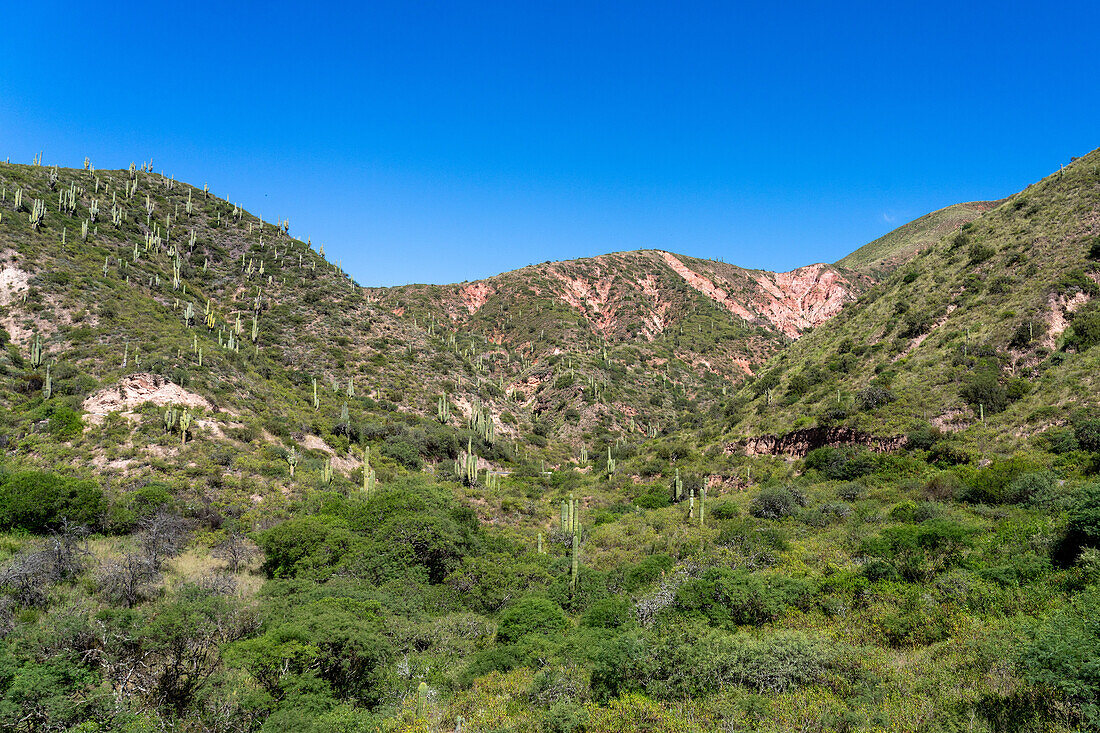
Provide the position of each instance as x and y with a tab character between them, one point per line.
438	142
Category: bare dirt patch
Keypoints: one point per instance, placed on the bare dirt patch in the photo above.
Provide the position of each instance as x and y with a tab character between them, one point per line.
137	389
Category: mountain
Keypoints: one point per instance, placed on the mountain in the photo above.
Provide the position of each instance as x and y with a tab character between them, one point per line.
989	328
894	248
640	491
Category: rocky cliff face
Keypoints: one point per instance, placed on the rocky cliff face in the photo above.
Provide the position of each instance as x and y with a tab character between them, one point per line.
800	442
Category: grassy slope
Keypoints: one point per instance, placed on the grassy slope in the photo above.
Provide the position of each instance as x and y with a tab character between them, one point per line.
892	249
1035	241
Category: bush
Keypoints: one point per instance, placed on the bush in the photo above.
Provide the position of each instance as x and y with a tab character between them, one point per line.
779	662
530	615
923	437
1094	249
874	397
990	485
773	503
64	423
980	253
1059	440
1084	332
842	464
37	501
1087	434
1083	525
1062	656
942	487
729	598
607	613
920	552
983	391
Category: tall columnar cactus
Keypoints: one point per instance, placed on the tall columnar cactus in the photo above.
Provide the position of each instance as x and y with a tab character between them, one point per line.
38	213
691	505
702	505
541	551
575	565
610	462
37	354
316	399
47	385
369	478
326	472
443	409
171	417
185	424
422	700
678	483
292	459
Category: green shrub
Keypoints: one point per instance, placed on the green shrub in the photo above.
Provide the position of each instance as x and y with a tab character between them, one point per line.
607	613
1062	657
530	615
980	253
726	597
922	551
37	501
1084	332
991	484
773	503
842	464
984	392
1082	526
1086	432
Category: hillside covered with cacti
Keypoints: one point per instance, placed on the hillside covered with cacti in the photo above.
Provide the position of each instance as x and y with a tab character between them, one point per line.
642	491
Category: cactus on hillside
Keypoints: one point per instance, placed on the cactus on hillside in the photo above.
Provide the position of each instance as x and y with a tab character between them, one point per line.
292	459
38	212
422	700
368	473
171	417
37	354
185	424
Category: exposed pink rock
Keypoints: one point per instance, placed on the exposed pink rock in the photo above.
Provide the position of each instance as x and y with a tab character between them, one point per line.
791	302
706	287
475	295
802	299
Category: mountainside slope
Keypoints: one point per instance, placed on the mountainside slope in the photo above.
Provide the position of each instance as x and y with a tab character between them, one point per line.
894	248
658	302
988	329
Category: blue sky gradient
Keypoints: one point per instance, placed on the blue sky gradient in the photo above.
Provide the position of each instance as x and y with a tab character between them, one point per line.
439	142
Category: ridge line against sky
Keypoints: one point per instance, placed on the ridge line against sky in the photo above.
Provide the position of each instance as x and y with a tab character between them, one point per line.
450	143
